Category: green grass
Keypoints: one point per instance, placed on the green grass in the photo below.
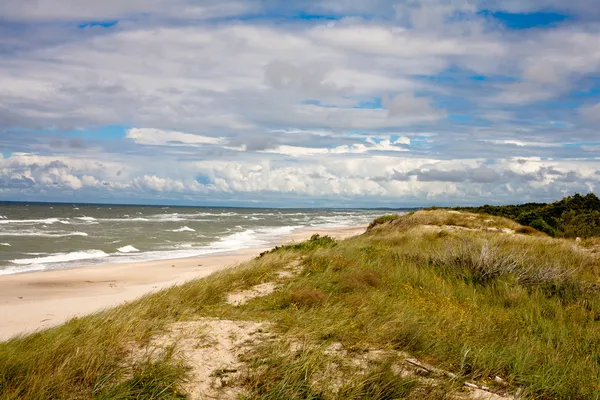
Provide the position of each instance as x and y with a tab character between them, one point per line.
383	220
478	303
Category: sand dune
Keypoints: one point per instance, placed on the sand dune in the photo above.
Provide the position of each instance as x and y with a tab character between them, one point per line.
39	300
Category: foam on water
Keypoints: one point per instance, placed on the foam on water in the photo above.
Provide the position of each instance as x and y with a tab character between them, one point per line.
20	270
168	233
62	257
46	221
238	241
127	249
43	234
184	229
5	244
245	239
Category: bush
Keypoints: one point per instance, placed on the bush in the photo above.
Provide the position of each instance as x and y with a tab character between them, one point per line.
484	263
316	241
528	230
573	216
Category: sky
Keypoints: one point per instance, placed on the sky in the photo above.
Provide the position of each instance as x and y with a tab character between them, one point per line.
324	103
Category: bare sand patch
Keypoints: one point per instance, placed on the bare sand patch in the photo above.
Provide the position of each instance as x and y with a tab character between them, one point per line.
212	349
242	297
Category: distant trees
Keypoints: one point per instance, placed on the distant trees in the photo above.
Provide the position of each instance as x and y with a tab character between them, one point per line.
573	216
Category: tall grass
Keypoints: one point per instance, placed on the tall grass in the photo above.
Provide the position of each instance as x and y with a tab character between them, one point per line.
478	303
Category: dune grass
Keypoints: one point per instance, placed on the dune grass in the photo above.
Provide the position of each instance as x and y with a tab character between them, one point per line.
479	303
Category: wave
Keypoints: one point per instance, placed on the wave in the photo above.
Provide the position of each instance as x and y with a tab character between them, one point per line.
127	249
46	221
214	214
237	241
20	270
62	257
87	219
5	244
41	234
184	229
124	219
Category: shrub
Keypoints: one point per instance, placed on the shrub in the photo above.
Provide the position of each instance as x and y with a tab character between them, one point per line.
573	216
316	241
528	230
484	263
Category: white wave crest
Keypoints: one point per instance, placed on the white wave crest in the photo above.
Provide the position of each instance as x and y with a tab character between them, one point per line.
5	244
238	241
184	229
127	249
62	257
46	221
19	270
42	234
87	219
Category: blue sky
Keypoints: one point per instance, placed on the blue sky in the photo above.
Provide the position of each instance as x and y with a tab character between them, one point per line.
305	103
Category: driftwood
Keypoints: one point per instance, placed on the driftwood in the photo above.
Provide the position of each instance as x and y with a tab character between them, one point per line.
440	372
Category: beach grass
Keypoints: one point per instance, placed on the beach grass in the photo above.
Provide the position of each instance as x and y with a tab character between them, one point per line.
479	296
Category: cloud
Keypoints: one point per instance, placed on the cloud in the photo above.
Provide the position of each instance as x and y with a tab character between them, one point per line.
363	103
591	113
406	105
158	137
357	148
114	9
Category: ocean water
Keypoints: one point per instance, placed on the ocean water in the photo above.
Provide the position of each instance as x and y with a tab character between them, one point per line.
35	237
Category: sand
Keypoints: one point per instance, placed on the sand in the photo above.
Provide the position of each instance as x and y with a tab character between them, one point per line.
39	300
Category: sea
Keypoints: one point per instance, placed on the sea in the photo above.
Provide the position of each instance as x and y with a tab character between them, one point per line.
42	237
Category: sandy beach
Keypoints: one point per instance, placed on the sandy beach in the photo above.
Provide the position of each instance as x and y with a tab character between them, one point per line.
39	300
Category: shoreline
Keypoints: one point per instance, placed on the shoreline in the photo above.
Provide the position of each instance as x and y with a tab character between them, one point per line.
39	300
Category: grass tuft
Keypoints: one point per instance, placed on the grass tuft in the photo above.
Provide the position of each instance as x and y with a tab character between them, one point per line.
382	220
303	297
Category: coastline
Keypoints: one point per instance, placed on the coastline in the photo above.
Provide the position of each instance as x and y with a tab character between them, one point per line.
38	300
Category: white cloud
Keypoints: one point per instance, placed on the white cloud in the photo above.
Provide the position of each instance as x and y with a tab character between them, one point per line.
158	137
308	108
520	143
357	148
115	9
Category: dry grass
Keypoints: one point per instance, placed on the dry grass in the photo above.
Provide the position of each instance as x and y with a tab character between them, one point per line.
449	218
478	303
303	297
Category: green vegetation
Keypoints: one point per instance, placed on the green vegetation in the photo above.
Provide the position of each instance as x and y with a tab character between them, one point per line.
382	220
310	244
573	216
459	291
